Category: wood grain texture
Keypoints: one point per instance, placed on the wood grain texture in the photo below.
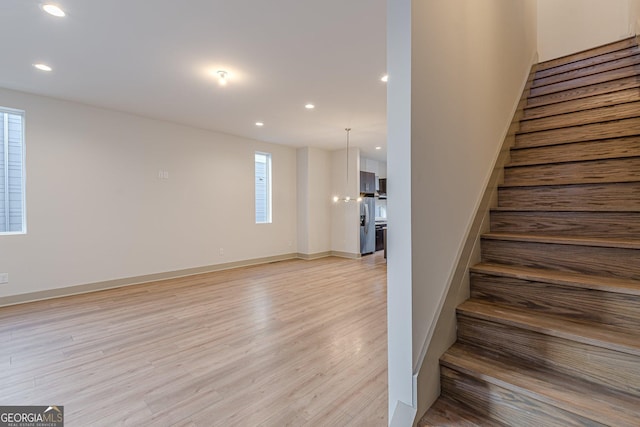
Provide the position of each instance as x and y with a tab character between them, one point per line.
554	399
596	101
592	334
587	132
581	172
577	151
289	343
585	71
503	404
627	43
573	301
616	197
599	365
551	334
599	261
607	284
593	115
589	62
449	413
621	225
582	92
607	76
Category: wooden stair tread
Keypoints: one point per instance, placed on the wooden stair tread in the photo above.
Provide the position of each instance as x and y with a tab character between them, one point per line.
588	62
588	70
593	171
605	197
624	83
588	103
614	148
626	43
607	284
564	240
576	396
580	133
447	412
589	333
580	82
602	114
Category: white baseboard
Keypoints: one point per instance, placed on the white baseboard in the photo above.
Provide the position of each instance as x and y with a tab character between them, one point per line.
129	281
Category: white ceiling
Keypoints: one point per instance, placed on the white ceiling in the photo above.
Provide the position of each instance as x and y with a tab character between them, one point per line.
155	58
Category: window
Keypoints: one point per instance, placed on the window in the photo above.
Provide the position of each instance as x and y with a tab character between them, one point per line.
12	218
263	188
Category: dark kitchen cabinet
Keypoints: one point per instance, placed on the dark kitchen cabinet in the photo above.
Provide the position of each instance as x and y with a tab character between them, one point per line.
382	187
380	237
367	182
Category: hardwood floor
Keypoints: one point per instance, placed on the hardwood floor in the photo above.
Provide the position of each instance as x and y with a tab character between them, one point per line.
300	343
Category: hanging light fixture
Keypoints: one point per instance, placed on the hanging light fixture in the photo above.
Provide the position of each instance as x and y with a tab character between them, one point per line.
347	199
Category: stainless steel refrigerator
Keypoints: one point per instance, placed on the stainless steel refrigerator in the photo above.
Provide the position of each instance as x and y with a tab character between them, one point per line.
367	225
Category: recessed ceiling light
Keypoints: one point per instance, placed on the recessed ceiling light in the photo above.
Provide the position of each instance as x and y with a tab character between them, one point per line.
384	78
54	10
222	77
309	106
42	67
378	148
259	124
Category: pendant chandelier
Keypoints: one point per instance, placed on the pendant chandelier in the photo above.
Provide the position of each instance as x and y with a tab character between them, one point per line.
347	199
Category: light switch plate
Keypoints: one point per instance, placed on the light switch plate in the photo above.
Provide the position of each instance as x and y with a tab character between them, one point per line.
4	277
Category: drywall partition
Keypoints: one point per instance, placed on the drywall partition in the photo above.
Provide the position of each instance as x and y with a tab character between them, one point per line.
114	196
568	26
345	228
469	62
314	202
634	17
399	283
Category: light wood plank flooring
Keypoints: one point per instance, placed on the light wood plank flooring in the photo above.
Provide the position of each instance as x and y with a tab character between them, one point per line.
300	343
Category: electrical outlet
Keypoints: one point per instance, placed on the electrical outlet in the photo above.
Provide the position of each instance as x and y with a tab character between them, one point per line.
4	277
221	251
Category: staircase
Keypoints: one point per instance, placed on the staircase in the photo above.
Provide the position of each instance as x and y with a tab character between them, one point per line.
551	334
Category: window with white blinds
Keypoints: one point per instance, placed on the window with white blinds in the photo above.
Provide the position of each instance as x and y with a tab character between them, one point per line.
12	200
263	188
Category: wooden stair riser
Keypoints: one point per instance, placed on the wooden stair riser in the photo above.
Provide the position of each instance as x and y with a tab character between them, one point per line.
597	101
622	225
586	172
576	59
588	62
599	261
506	406
594	115
584	92
608	76
578	151
573	302
609	368
619	197
585	71
589	132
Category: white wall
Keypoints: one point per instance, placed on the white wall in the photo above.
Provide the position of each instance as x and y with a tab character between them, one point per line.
345	228
634	16
97	211
569	26
468	64
399	233
314	201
